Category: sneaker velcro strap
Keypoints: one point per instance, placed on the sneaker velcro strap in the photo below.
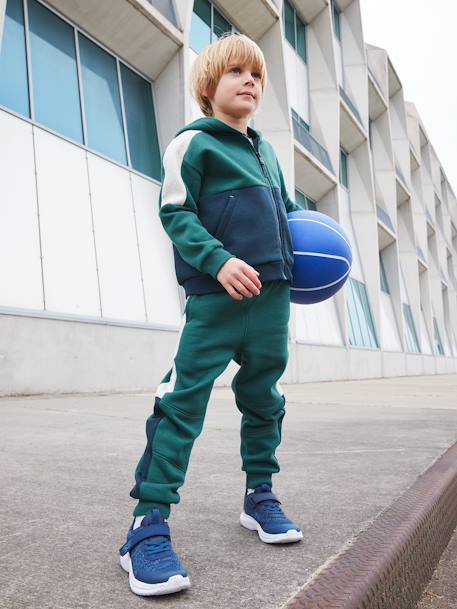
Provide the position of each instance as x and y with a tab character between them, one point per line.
153	530
258	497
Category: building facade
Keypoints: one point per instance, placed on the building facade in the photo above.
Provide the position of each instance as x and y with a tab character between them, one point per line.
90	96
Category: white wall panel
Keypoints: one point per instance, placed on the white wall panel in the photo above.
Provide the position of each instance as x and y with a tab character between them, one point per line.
289	60
156	250
297	82
403	292
69	264
318	323
194	107
390	339
20	265
301	75
454	341
116	242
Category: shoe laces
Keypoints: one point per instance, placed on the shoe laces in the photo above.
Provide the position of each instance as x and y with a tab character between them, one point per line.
273	508
157	545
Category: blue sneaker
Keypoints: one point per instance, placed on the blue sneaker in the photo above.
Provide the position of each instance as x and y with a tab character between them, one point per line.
149	559
263	513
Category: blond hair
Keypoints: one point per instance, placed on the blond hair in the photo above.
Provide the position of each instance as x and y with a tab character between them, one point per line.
212	61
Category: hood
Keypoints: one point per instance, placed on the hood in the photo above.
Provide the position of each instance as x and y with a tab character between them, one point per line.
211	124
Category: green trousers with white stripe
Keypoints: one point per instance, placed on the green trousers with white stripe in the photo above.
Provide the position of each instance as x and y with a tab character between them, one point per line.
217	329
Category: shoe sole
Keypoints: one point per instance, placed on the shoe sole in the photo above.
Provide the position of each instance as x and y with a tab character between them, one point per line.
289	537
174	584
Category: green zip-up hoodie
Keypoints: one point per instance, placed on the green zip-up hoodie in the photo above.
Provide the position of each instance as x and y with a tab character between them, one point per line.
223	197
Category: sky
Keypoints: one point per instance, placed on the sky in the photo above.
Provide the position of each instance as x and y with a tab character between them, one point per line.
420	37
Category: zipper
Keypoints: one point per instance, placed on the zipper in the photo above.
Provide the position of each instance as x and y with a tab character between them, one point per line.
265	173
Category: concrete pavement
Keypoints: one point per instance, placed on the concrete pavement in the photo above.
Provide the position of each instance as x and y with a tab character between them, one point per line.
349	448
441	593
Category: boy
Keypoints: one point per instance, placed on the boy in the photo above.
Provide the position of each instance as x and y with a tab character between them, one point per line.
224	205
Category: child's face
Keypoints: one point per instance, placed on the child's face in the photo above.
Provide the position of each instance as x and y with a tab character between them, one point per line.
228	98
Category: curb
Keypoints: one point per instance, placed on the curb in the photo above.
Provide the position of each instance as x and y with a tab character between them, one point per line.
388	565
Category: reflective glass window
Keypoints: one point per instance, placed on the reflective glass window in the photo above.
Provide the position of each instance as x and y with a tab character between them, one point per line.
301	39
310	204
102	102
304	201
141	125
344	169
294	30
54	72
383	275
438	341
412	341
14	89
220	24
336	20
300	198
289	23
355	336
362	330
200	29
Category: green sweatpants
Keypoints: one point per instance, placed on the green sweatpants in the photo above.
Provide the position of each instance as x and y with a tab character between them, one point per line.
217	329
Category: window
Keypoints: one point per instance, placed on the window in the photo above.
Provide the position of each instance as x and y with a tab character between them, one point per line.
304	201
54	71
383	275
300	120
14	89
289	23
361	325
141	125
336	20
439	213
116	100
207	25
200	30
220	24
294	30
102	101
344	168
412	342
438	341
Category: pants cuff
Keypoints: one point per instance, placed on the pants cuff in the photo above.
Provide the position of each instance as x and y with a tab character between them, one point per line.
144	507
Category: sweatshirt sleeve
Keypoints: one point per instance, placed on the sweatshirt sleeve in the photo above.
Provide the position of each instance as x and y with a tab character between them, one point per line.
181	183
290	205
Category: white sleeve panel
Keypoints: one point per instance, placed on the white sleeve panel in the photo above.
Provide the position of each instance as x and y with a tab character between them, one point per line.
173	186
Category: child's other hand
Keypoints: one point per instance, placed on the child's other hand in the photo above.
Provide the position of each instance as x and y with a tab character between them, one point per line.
239	276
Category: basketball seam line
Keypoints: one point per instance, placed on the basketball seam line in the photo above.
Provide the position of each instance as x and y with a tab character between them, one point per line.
322	255
323	286
322	224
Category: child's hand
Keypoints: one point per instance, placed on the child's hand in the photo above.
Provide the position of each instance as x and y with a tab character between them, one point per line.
239	276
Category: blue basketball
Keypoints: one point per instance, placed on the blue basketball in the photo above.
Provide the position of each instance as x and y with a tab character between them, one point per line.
322	256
